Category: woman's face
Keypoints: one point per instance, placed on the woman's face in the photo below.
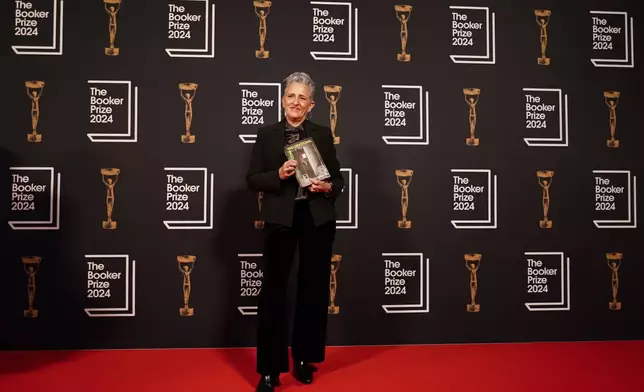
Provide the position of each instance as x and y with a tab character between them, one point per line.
297	102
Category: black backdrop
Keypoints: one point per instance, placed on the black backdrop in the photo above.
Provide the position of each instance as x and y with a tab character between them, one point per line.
370	232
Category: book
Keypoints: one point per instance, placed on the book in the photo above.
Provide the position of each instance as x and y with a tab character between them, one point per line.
309	162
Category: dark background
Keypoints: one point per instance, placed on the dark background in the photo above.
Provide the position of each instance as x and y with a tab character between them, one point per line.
139	210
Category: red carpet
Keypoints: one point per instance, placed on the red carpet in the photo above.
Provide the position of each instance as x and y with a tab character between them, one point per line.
538	367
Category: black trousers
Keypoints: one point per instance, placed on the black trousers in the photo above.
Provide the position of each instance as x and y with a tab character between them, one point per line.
309	329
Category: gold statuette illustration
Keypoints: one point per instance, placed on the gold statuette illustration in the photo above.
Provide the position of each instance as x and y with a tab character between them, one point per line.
31	266
403	177
332	95
186	265
612	99
188	92
545	180
262	9
614	262
112	7
472	98
259	224
110	178
333	283
473	263
35	91
403	13
543	18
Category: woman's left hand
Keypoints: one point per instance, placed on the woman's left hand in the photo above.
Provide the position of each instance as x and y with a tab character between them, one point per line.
319	186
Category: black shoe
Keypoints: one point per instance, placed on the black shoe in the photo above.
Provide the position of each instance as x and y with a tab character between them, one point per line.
303	372
268	383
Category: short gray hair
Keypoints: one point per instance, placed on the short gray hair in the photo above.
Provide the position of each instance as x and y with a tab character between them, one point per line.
300	77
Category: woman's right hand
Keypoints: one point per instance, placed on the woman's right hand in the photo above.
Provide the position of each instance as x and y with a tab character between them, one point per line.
287	169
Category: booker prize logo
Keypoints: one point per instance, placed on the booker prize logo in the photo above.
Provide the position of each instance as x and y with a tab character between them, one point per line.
186	265
189	198
545	181
473	263
404	111
474	201
250	285
614	262
34	92
548	281
546	115
262	9
543	18
110	177
332	95
112	8
473	35
335	31
333	283
472	96
113	112
191	29
188	92
406	283
611	98
38	27
111	285
612	39
31	265
403	177
615	199
260	101
35	198
403	13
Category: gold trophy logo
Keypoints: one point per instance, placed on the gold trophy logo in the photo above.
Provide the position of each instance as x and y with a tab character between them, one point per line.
31	265
259	224
35	91
262	9
188	92
543	18
612	99
614	262
112	7
110	177
472	98
473	263
545	180
403	177
332	95
333	283
186	265
403	13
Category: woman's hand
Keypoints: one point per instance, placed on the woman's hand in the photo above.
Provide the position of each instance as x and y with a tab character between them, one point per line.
319	186
287	169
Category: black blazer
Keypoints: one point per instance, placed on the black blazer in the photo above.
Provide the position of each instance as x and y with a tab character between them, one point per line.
279	195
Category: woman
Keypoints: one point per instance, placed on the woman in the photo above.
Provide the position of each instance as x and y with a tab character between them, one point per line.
294	217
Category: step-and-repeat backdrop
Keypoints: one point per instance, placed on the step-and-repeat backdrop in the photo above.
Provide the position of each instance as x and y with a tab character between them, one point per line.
490	148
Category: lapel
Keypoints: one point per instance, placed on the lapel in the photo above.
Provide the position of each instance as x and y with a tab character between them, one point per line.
319	136
277	142
312	132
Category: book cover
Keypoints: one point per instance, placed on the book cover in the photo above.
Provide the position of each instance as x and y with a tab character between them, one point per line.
309	162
